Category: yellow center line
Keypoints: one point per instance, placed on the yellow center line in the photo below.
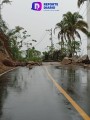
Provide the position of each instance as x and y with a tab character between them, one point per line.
74	104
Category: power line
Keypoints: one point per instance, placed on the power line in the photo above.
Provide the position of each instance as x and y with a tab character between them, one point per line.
40	40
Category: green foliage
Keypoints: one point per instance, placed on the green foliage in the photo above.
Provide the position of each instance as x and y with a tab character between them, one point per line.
72	47
55	56
33	55
69	29
15	50
14	35
3	25
46	56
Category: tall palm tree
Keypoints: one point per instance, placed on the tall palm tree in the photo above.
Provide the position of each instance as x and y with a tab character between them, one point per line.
70	26
73	24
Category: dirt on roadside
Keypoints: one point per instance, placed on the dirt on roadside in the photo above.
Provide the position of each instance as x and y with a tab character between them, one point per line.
3	68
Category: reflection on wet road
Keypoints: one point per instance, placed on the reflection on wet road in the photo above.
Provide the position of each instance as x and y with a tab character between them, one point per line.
76	81
30	95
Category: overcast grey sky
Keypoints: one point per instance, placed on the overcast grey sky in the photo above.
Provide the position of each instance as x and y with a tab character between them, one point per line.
20	13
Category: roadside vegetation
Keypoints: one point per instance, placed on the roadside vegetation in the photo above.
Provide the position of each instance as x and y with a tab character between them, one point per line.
69	38
13	40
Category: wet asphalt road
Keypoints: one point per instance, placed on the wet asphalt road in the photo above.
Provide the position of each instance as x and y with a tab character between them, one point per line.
30	95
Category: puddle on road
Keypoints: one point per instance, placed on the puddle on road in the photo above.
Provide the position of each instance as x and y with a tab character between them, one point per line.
76	81
12	83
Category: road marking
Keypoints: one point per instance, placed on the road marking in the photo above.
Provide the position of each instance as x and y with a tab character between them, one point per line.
74	104
8	71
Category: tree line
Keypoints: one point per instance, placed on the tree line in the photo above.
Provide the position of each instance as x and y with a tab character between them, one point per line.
12	40
69	37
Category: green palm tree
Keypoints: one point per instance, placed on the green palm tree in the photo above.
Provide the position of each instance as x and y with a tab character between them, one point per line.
71	25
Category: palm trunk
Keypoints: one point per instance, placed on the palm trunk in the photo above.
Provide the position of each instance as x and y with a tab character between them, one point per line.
74	46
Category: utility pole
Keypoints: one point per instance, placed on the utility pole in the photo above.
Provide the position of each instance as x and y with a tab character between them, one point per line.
51	38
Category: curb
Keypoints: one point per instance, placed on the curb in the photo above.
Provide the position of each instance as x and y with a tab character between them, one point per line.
8	71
